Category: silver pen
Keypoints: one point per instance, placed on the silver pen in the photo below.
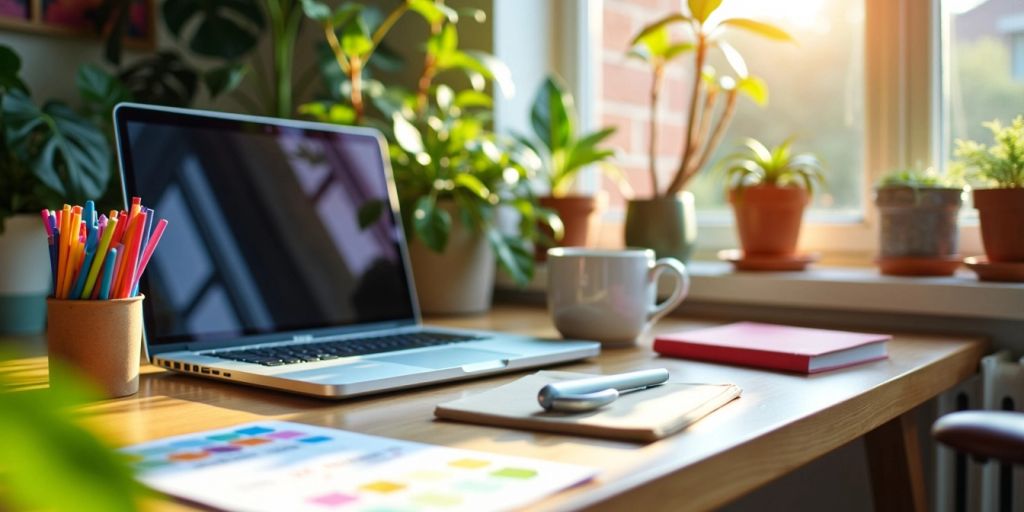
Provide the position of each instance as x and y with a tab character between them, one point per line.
594	392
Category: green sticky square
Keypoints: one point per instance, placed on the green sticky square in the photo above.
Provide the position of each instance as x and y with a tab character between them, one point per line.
518	473
223	437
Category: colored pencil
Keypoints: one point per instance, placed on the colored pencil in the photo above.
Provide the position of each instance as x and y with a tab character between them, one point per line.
131	266
100	259
72	241
145	241
46	221
108	274
158	232
131	244
63	248
90	251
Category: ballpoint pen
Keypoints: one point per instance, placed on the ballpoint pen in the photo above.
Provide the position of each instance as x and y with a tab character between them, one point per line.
594	392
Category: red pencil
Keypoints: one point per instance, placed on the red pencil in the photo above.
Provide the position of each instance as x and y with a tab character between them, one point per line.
122	227
128	265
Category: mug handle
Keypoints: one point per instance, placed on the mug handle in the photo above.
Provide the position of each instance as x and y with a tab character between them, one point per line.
682	288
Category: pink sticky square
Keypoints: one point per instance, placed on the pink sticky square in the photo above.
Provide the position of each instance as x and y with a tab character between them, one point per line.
286	434
334	499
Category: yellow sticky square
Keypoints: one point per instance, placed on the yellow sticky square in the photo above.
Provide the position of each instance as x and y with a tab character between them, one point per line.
469	463
382	486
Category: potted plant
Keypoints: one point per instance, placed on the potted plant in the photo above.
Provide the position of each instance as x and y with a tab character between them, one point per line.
999	172
453	174
564	153
768	190
48	155
666	221
918	223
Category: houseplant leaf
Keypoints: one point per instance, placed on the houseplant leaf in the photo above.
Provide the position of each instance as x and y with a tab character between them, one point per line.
735	60
433	12
225	78
10	70
701	9
65	152
552	115
754	88
225	29
163	79
100	91
512	256
432	224
660	24
759	28
407	136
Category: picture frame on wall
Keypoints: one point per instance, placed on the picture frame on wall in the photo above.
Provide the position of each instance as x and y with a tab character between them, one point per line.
75	18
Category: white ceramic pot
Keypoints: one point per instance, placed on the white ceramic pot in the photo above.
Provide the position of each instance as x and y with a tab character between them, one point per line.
459	280
24	275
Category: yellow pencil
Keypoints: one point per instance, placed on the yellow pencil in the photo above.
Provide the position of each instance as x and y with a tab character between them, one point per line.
65	244
101	254
72	236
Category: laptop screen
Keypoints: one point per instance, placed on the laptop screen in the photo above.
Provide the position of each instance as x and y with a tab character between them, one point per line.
273	227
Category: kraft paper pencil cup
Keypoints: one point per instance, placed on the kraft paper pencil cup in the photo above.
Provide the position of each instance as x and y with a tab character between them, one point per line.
100	338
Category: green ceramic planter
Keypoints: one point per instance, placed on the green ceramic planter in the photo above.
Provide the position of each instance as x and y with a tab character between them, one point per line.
666	224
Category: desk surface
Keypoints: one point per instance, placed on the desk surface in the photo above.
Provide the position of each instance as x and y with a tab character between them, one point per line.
781	422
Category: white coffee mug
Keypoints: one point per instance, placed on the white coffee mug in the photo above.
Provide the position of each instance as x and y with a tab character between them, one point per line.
609	295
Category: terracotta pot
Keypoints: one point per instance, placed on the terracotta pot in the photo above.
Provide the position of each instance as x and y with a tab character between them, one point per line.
459	280
768	218
99	339
1001	211
577	214
24	275
918	222
666	224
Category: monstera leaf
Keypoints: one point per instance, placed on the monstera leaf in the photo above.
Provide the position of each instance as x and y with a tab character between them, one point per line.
225	29
64	151
163	79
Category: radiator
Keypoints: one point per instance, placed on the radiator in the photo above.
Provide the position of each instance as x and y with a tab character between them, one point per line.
962	483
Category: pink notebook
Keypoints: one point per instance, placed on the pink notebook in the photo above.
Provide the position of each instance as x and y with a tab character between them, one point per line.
780	347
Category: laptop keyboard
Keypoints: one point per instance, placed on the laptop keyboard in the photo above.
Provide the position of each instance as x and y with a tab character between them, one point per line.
321	351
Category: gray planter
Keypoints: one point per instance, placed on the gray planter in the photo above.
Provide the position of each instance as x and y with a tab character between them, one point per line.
918	222
24	275
666	224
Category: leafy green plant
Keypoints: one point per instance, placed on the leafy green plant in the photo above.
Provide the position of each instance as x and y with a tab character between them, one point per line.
778	166
48	153
449	156
42	445
563	151
654	45
920	178
1000	165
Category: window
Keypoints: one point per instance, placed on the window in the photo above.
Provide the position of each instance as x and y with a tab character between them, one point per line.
986	66
816	95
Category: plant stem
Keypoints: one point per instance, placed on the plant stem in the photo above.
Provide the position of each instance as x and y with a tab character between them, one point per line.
332	41
716	136
427	76
678	179
355	78
385	26
652	142
284	49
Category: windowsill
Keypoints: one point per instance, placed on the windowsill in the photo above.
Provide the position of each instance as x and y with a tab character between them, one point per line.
843	289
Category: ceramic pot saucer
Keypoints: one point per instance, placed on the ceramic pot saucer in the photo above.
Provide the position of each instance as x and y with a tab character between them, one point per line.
794	262
1001	271
938	266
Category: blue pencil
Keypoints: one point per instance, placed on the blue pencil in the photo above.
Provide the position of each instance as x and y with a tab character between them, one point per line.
108	274
90	251
56	258
53	258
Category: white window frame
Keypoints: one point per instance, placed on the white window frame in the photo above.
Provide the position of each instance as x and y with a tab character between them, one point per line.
906	92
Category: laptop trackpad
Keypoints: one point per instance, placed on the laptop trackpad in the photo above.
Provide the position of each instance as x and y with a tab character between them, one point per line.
448	358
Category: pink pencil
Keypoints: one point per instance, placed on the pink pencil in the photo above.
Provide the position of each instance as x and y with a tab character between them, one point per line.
46	221
154	239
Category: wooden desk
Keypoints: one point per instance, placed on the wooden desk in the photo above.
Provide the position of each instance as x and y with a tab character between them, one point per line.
781	422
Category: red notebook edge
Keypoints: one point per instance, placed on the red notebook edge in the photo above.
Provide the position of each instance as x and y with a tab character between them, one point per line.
745	357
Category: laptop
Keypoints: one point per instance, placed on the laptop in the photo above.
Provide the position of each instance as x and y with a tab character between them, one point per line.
284	264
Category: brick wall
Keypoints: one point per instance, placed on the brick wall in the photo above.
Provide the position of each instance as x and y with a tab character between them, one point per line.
626	96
